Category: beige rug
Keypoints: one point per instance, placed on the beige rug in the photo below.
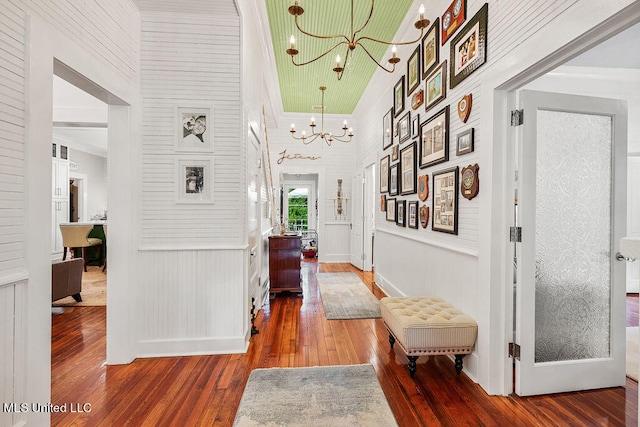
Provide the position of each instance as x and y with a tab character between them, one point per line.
327	396
94	290
632	352
344	296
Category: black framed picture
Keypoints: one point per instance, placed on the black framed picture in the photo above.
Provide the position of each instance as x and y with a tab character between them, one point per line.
384	174
415	126
408	169
391	209
464	142
387	130
401	206
404	127
412	214
434	139
393	180
398	97
436	86
444	209
468	49
413	71
431	49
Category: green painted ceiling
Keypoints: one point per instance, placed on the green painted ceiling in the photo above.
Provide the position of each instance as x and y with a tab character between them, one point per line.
299	86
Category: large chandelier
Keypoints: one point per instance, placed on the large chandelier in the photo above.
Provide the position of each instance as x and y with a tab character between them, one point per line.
352	40
328	137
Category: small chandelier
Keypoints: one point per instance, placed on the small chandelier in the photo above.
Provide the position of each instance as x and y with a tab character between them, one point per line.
352	41
328	137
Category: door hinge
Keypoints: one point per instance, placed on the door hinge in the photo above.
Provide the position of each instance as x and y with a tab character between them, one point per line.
517	117
514	350
515	234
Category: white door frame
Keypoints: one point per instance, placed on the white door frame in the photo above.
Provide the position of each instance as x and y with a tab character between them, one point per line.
496	206
369	192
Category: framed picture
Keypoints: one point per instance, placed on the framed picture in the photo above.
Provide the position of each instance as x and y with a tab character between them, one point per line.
436	86
408	169
434	139
453	18
401	215
431	49
413	71
394	152
398	97
383	203
444	209
464	142
469	48
415	126
391	209
193	128
393	180
412	215
384	174
194	181
404	127
387	130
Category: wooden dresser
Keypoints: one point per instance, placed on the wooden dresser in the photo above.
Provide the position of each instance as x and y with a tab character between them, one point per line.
284	263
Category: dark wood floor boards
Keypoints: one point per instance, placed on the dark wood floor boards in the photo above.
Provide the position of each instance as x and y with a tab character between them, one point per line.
294	332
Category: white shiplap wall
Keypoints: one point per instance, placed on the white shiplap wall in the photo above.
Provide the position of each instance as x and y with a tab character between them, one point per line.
194	257
190	58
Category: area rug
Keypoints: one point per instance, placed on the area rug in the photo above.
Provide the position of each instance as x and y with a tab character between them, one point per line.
632	352
344	296
94	290
317	396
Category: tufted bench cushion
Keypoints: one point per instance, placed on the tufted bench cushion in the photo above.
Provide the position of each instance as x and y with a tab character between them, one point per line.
428	325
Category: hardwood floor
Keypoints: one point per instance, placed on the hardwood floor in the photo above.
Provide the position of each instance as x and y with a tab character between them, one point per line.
206	390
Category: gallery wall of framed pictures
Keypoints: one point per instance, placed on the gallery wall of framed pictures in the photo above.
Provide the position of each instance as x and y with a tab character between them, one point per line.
416	145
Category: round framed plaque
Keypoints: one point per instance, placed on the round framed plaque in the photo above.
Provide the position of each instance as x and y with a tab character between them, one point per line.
464	108
470	184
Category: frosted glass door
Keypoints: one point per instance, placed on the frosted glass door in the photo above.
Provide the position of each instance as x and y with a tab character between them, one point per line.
571	320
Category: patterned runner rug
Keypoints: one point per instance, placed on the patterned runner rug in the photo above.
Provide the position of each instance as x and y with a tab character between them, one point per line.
344	296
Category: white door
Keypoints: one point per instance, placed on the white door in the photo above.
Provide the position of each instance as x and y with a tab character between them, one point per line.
570	292
368	216
357	224
253	213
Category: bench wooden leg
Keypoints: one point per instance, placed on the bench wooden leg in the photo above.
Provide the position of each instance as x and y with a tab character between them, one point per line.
459	358
392	340
412	365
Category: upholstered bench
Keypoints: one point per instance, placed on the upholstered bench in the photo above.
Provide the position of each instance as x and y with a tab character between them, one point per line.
428	326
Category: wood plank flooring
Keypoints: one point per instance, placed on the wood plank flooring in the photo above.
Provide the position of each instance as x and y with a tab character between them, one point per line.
206	390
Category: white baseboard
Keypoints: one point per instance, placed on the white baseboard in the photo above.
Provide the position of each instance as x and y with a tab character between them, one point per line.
192	347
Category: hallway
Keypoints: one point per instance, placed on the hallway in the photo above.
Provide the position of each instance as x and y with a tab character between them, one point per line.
206	390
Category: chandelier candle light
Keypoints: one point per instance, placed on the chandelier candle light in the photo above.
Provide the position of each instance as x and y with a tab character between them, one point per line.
328	137
352	40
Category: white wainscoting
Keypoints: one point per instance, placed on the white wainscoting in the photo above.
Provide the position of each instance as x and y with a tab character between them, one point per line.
334	243
192	301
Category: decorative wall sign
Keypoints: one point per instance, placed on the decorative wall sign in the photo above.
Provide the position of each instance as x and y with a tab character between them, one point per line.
464	142
412	214
391	209
413	71
424	216
434	139
384	174
400	216
469	48
417	99
431	49
445	201
297	156
464	108
470	183
408	169
404	127
398	97
436	86
453	18
387	130
423	187
393	180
